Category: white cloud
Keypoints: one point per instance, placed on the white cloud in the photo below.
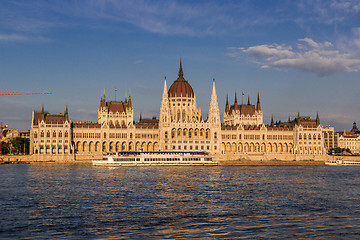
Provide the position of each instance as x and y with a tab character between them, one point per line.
308	56
21	38
346	5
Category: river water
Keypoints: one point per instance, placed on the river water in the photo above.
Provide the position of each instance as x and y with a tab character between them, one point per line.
84	202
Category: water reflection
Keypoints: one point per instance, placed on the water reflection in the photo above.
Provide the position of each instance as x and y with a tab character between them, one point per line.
81	201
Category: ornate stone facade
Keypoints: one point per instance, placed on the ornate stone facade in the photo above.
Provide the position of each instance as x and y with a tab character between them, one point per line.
180	127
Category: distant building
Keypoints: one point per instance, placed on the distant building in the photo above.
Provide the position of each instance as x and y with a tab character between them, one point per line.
8	135
180	127
350	140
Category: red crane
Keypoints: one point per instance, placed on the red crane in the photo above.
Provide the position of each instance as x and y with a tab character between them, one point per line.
24	93
2	127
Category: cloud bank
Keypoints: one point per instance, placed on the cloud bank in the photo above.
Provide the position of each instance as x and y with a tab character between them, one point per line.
307	55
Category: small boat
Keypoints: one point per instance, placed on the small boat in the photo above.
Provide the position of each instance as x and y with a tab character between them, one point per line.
166	158
340	162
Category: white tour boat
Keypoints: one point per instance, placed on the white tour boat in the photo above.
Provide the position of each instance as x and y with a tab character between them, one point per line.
340	162
155	158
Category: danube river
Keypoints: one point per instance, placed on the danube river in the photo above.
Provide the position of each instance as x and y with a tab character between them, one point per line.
85	202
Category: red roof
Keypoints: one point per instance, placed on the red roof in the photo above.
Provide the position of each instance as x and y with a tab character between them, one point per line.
49	119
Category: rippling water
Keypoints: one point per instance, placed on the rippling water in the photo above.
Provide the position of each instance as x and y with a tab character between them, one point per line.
86	202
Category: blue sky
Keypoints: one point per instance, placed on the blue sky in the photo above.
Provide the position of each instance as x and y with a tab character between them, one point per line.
300	55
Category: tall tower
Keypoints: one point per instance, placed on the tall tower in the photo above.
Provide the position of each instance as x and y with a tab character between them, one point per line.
164	121
214	122
165	108
214	114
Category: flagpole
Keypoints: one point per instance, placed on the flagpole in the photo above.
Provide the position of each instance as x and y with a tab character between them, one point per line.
115	93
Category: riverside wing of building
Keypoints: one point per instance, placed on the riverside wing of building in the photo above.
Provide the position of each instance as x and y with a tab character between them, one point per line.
180	127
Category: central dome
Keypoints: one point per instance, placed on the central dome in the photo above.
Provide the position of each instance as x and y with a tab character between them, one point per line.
180	87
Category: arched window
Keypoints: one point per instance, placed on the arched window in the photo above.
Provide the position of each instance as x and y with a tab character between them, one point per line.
54	134
42	134
183	116
60	134
196	133
66	134
178	116
166	135
179	132
48	134
185	132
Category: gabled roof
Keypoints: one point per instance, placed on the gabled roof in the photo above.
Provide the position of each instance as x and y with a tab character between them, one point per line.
49	118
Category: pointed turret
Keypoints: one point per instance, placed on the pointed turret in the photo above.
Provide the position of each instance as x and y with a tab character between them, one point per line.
272	120
165	92
258	107
165	106
42	109
103	99
289	119
298	119
236	106
66	114
214	114
129	103
140	117
227	104
248	99
317	119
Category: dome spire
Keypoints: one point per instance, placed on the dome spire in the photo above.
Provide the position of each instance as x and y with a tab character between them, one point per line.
181	74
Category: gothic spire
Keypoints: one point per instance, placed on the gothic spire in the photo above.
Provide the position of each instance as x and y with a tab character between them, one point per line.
272	120
165	91
66	110
42	109
129	105
227	104
214	114
258	107
236	106
248	99
317	119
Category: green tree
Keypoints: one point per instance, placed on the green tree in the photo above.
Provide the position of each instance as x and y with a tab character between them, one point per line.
16	145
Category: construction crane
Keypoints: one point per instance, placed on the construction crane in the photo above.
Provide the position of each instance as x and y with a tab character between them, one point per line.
2	127
24	93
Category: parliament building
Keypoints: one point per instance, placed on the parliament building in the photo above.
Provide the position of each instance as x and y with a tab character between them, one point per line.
180	127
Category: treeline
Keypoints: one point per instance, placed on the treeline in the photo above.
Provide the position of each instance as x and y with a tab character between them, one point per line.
339	150
18	145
